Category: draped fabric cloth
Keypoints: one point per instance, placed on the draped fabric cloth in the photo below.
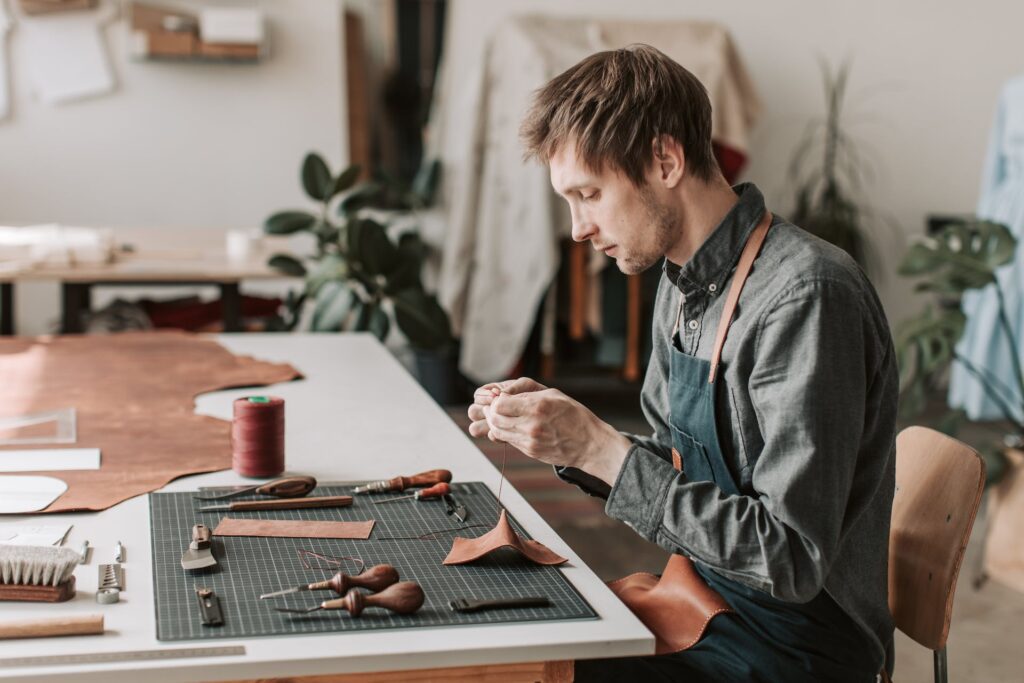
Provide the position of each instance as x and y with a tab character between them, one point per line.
985	342
498	217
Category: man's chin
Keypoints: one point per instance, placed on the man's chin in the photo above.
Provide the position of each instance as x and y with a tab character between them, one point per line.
629	266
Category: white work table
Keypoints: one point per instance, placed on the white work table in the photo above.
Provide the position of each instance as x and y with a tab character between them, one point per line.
357	415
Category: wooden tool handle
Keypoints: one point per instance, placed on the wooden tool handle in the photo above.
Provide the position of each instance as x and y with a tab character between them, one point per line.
404	597
421	479
88	625
201	536
435	491
375	578
289	487
293	503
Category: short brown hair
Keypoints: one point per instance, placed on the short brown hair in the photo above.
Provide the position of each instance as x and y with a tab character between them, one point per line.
614	104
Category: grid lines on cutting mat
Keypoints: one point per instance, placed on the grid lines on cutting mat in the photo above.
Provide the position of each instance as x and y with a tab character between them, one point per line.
249	566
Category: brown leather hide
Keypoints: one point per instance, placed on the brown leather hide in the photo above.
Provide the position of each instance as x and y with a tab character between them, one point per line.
501	536
133	393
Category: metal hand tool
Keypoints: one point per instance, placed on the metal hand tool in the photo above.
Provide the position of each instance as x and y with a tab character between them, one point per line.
470	605
452	507
435	491
289	487
282	504
209	607
200	551
375	579
402	483
404	597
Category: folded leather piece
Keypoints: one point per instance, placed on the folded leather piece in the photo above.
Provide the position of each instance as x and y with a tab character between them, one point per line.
134	396
676	608
501	536
288	528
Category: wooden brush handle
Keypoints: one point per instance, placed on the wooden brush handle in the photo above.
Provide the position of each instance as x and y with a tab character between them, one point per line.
293	503
88	625
404	597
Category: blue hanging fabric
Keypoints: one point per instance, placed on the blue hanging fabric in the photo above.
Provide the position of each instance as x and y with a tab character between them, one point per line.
985	343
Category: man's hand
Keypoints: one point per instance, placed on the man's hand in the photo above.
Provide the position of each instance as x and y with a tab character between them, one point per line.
547	425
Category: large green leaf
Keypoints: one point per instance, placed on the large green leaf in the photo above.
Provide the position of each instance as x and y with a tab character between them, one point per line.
406	273
361	197
316	177
964	255
370	245
334	302
329	268
346	179
925	348
288	222
379	323
289	265
421	319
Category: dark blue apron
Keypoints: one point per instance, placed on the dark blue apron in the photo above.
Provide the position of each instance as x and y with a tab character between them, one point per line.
766	639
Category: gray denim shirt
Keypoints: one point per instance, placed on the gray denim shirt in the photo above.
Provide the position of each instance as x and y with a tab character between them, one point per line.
805	405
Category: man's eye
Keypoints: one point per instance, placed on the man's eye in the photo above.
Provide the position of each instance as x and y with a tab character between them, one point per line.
589	197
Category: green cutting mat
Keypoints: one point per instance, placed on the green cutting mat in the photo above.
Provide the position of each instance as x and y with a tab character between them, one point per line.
248	567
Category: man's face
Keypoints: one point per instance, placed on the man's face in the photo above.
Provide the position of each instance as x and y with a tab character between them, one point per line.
625	222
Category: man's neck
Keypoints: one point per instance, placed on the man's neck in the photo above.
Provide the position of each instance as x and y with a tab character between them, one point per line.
703	207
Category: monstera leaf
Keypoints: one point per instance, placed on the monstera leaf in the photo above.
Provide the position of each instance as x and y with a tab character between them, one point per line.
925	347
963	256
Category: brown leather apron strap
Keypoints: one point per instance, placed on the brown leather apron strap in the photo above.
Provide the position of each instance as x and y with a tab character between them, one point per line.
750	251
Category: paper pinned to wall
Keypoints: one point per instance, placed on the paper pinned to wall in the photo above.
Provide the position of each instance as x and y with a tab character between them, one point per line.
66	56
5	89
47	459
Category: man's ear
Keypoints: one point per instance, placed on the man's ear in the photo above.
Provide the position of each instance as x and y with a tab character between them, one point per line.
669	161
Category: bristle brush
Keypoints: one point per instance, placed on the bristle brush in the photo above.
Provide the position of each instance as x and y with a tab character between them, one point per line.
39	573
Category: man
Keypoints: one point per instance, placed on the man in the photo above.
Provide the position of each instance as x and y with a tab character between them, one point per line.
783	424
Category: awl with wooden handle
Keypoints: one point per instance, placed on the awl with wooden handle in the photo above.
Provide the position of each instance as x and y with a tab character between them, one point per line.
435	491
374	579
404	597
428	478
281	504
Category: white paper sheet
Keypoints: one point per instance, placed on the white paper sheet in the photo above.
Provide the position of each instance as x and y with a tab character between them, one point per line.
46	459
65	54
33	534
20	494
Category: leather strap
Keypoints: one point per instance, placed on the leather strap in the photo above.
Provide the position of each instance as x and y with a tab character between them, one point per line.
750	251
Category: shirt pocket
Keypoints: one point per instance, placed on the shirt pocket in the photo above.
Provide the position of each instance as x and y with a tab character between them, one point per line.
696	465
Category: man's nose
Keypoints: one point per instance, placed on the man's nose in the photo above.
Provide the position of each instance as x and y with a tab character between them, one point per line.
582	229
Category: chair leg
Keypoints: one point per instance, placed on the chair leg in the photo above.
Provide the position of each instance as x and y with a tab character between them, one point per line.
941	668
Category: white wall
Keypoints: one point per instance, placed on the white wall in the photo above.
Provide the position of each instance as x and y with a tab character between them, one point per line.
177	145
925	79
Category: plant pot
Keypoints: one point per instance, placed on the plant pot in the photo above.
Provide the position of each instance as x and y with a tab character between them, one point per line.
438	373
1004	542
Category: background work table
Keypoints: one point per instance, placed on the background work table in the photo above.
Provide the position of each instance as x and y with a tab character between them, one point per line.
357	416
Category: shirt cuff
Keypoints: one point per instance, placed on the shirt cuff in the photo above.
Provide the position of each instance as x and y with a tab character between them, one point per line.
587	483
638	495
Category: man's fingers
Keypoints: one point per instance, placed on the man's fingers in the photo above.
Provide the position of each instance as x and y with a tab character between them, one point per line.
476	412
502	421
511	405
478	428
522	385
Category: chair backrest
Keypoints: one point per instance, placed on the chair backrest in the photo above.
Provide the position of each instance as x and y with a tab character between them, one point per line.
939	482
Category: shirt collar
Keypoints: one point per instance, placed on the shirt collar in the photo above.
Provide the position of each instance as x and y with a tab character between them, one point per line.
717	256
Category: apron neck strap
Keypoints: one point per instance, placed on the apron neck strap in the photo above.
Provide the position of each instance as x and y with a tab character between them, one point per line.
750	252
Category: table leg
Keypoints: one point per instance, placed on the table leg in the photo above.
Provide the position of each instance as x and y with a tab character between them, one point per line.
6	308
231	306
76	301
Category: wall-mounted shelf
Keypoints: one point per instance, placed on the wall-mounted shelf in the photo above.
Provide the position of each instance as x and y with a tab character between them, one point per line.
214	34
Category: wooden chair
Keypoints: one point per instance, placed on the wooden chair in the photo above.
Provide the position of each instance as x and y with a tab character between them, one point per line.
939	482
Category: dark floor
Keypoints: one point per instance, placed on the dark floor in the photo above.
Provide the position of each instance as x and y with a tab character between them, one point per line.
983	641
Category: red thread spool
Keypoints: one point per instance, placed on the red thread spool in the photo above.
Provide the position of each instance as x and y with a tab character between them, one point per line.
257	436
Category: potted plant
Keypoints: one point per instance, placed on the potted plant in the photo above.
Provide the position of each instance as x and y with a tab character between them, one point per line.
965	255
359	277
826	169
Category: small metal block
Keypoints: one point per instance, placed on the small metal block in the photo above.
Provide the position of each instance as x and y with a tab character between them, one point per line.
108	596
